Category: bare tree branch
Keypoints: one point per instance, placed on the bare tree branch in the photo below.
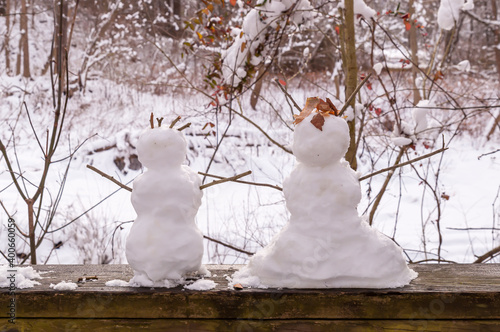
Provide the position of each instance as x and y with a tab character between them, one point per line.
263	131
490	254
403	164
232	178
109	177
244	182
229	246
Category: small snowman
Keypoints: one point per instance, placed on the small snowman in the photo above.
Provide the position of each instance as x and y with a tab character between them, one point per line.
164	243
325	244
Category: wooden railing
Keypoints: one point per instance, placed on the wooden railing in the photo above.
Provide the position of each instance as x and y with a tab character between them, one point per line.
442	298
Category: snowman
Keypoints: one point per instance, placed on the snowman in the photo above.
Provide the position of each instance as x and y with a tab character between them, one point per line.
325	244
164	243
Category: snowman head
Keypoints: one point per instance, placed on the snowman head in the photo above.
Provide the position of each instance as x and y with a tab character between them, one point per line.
161	147
320	147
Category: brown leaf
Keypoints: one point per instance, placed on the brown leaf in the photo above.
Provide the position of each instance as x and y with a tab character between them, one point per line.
445	197
438	76
318	121
311	104
237	286
323	106
334	109
326	107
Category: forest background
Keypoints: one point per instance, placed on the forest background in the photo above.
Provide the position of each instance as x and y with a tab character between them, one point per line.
79	80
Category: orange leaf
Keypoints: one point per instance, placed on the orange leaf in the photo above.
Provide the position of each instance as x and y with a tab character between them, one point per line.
439	75
407	25
233	2
243	45
311	104
326	107
318	121
323	106
334	109
282	82
337	29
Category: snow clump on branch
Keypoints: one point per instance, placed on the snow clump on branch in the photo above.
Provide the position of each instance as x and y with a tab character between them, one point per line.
360	8
449	11
261	22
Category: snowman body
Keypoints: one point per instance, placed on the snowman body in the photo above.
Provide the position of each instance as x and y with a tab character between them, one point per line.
325	244
164	242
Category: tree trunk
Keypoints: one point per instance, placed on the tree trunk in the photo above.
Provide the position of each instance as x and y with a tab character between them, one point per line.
19	57
31	228
351	76
24	45
496	30
414	49
60	46
6	37
254	97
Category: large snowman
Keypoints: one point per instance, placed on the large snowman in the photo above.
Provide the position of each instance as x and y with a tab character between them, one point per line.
325	244
164	243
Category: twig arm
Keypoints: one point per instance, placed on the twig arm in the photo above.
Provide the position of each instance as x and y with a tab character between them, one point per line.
109	177
244	182
232	178
228	245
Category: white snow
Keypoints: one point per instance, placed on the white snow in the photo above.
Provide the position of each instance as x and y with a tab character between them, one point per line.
378	68
469	5
463	66
63	285
325	244
360	8
201	285
449	11
142	280
22	277
419	115
117	283
401	141
265	17
164	242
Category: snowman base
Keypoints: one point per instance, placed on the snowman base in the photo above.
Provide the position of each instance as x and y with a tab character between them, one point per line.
164	245
142	280
325	244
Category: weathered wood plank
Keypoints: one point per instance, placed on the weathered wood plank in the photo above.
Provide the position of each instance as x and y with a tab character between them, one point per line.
175	325
441	292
